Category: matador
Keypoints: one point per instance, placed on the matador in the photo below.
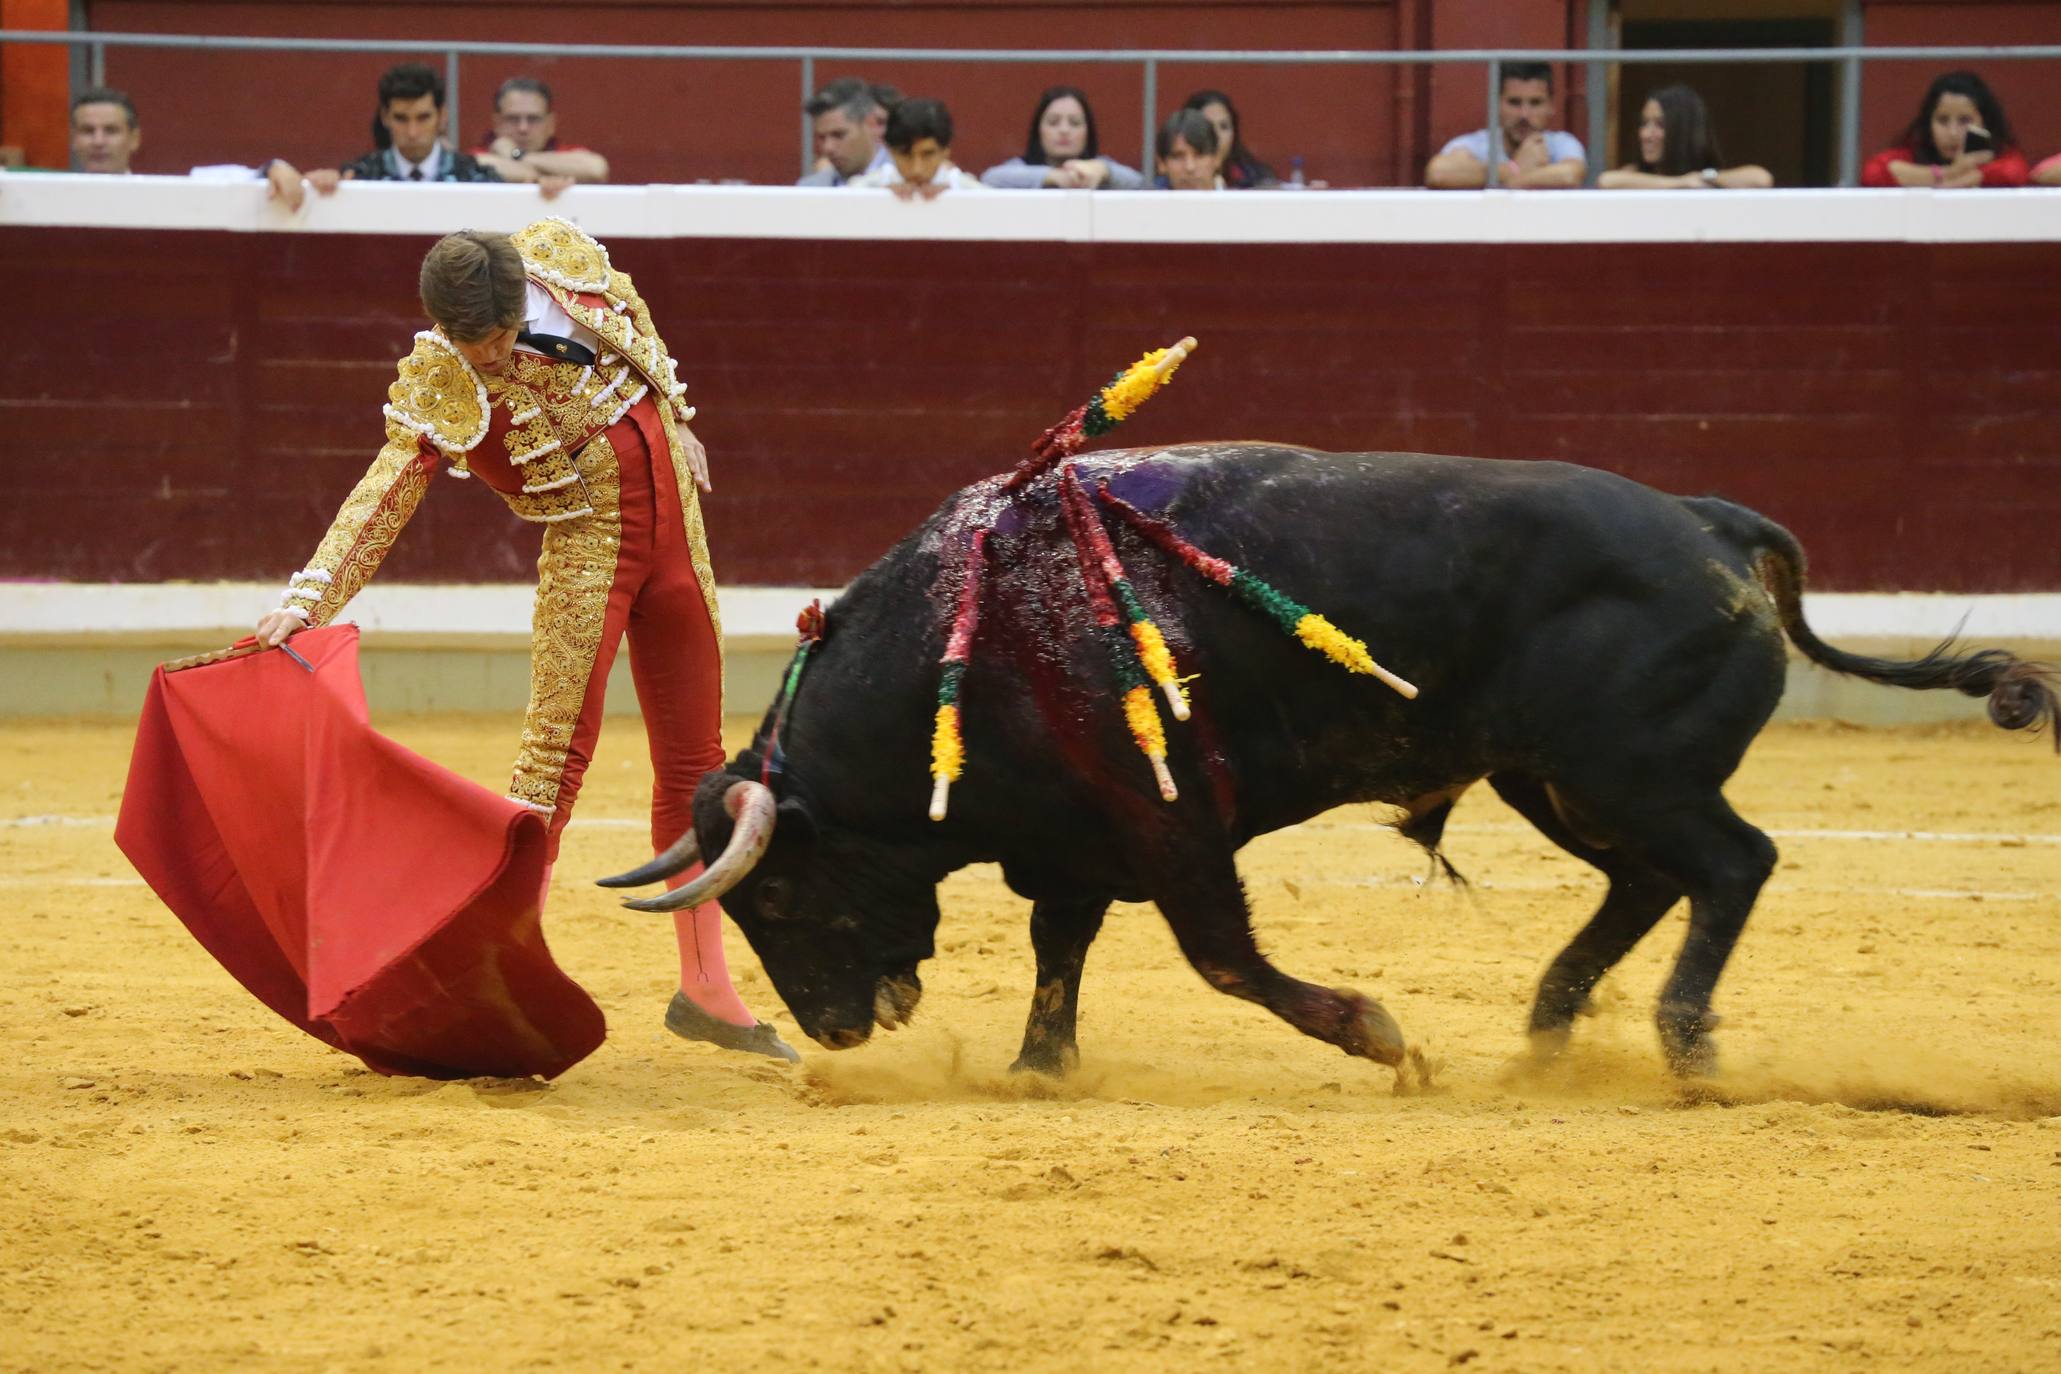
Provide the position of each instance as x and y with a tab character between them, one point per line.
545	379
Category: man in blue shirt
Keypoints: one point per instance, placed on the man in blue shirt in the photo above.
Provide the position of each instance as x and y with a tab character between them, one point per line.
1531	156
849	121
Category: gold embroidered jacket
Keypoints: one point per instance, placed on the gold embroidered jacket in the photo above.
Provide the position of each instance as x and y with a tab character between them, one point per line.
521	431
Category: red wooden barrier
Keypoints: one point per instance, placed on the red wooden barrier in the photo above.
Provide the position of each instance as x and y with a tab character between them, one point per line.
193	405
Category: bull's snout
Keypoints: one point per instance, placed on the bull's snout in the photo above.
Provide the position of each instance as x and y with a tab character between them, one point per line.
841	1037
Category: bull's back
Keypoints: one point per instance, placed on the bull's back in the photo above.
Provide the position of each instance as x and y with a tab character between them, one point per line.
1525	599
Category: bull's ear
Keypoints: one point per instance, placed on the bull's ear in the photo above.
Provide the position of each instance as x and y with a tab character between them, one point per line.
793	823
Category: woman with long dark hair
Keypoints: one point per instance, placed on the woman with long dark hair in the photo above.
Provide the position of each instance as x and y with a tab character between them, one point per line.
1678	149
1240	170
1062	150
1959	138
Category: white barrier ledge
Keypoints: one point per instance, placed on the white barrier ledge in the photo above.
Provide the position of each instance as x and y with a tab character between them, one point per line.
2031	215
458	615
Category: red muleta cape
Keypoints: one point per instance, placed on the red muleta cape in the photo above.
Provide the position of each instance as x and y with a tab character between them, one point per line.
381	903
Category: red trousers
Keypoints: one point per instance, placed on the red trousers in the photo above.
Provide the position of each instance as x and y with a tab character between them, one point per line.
651	593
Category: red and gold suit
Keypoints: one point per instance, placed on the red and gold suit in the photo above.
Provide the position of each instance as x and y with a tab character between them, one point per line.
593	453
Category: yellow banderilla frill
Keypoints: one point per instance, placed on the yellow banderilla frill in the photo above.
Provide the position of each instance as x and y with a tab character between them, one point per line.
947	758
1151	372
1159	665
1142	713
1341	648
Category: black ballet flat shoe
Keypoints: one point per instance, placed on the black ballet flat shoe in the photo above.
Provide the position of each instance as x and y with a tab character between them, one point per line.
690	1022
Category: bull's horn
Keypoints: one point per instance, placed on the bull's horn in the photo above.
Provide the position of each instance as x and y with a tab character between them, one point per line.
752	807
684	852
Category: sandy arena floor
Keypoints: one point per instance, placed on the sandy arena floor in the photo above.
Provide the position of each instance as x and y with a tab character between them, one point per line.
193	1185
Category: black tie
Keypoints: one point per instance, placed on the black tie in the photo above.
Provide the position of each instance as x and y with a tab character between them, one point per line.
414	174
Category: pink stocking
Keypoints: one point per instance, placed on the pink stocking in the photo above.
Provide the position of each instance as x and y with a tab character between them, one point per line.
704	972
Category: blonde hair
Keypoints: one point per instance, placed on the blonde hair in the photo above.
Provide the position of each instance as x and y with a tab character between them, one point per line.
472	284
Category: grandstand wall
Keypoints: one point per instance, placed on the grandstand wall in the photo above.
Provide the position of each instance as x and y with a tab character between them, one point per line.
1886	385
1875	369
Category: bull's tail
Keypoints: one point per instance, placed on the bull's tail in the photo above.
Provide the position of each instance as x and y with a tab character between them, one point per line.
2021	694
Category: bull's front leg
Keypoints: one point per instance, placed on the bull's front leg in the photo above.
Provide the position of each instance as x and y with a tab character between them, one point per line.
1061	931
1204	902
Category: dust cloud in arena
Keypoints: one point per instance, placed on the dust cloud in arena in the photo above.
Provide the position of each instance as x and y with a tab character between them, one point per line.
1875	1175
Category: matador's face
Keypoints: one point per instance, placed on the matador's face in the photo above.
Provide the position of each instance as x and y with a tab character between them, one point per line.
490	354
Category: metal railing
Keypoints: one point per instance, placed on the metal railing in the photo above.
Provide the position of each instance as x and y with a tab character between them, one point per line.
1597	60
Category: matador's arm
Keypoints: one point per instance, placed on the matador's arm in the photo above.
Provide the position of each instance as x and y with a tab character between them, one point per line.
436	409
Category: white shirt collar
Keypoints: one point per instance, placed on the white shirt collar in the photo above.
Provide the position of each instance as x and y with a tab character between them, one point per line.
431	166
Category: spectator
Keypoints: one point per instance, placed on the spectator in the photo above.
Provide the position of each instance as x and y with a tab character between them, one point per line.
525	145
2048	173
1960	138
1188	153
919	149
408	130
1531	156
1678	148
1241	171
849	121
105	132
1062	150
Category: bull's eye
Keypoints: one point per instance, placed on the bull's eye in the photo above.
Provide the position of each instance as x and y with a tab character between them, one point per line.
773	897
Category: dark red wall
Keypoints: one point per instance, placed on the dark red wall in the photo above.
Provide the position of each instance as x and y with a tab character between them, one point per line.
1897	405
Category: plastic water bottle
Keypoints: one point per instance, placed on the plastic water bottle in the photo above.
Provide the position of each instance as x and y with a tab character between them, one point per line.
1295	179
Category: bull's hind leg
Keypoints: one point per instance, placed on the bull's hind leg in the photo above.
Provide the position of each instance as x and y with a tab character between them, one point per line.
1690	840
1637	899
1723	862
1061	931
1204	903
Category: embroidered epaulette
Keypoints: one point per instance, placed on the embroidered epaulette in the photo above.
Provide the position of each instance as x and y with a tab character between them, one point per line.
561	253
439	396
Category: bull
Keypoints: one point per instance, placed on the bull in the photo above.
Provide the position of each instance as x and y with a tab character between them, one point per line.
1599	652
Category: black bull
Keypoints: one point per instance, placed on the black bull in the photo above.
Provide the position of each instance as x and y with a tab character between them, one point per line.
1600	652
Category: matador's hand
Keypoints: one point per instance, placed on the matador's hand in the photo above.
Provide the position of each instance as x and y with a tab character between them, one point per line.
275	626
697	458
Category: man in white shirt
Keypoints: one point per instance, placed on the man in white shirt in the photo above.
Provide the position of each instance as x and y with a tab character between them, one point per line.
1531	156
412	121
105	132
919	148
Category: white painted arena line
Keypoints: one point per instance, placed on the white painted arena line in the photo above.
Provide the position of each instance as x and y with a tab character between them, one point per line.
2013	839
1775	888
1915	836
13	881
1377	881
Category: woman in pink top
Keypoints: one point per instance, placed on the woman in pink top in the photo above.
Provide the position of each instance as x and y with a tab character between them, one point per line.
1960	138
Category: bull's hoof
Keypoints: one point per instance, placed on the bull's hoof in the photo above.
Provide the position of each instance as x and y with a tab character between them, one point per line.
1370	1032
1054	1061
1557	1007
1685	1040
1548	1045
895	999
690	1022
